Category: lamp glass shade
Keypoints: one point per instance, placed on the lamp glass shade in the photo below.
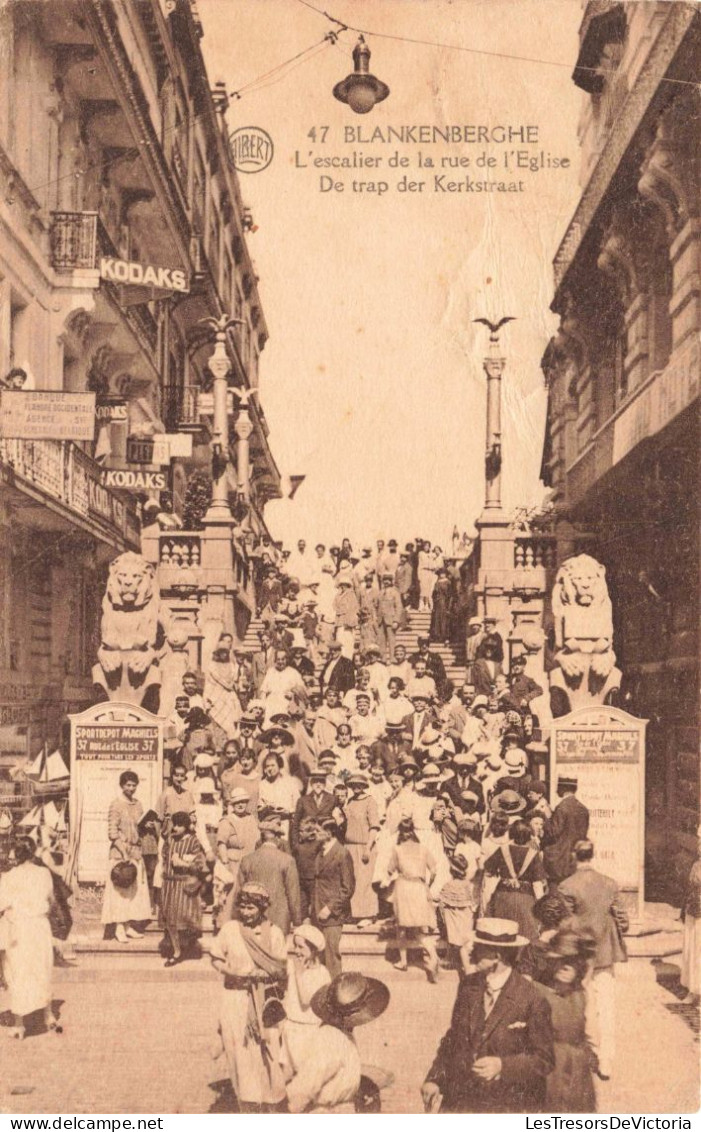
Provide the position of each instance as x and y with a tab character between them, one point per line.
361	95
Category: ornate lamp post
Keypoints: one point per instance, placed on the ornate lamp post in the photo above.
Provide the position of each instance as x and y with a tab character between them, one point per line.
493	367
496	540
219	510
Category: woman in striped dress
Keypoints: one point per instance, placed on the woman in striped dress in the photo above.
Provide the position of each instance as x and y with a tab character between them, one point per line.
183	864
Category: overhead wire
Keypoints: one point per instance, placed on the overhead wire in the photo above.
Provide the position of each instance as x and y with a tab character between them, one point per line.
473	50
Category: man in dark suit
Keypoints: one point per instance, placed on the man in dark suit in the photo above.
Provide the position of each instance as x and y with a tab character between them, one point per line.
338	672
317	804
334	885
597	910
499	1048
569	823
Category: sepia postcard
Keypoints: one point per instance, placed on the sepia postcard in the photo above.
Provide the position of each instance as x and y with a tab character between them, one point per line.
349	561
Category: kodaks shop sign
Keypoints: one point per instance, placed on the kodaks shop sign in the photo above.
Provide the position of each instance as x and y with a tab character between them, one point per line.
143	274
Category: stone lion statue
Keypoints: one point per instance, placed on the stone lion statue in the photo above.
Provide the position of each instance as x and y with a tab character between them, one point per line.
132	631
583	633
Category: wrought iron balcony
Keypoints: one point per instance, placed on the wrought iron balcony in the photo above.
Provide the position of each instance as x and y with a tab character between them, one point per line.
73	240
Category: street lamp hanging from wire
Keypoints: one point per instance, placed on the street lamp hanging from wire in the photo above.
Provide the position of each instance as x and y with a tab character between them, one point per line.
361	90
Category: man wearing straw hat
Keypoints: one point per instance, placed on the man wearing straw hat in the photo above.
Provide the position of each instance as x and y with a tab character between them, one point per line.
498	1050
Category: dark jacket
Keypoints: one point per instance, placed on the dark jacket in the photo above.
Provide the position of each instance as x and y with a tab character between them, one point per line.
569	823
334	885
307	808
451	789
276	871
596	905
518	1030
341	675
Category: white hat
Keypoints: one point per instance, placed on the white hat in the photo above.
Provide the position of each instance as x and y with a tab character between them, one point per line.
312	936
239	795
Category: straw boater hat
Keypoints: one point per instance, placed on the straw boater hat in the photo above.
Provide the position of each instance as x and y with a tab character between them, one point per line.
480	701
319	775
508	802
351	999
498	933
465	759
357	778
475	621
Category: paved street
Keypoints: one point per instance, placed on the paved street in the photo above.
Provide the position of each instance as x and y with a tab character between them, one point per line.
137	1039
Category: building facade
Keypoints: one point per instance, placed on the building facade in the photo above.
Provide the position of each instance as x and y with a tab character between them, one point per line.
622	373
121	228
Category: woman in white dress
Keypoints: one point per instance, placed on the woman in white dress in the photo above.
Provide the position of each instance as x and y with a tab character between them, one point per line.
427	576
305	975
26	895
125	907
251	954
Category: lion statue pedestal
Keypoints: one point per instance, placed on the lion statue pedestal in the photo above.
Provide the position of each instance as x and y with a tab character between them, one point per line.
132	634
586	674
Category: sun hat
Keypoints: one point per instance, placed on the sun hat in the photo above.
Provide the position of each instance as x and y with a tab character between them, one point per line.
351	999
508	802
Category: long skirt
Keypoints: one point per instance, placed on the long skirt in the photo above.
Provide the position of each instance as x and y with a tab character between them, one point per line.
691	955
411	906
518	906
459	924
178	910
570	1087
254	1077
363	900
28	964
120	905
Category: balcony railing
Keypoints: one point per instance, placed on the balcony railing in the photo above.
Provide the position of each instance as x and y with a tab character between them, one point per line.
62	471
73	240
534	552
180	551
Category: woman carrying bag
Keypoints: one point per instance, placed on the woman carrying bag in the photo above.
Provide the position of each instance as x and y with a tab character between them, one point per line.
126	901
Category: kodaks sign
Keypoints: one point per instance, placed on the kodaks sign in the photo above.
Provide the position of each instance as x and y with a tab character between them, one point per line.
143	275
134	481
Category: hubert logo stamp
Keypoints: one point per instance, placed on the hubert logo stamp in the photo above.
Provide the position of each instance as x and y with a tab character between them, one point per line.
251	148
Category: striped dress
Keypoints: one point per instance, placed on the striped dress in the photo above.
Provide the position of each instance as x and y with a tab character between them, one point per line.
179	910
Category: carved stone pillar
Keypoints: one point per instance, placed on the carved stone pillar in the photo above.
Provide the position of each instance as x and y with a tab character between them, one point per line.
670	182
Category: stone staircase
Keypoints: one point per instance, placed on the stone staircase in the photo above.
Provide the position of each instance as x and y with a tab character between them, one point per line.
419	625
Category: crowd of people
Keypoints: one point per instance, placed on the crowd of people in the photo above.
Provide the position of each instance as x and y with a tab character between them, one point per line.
328	779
